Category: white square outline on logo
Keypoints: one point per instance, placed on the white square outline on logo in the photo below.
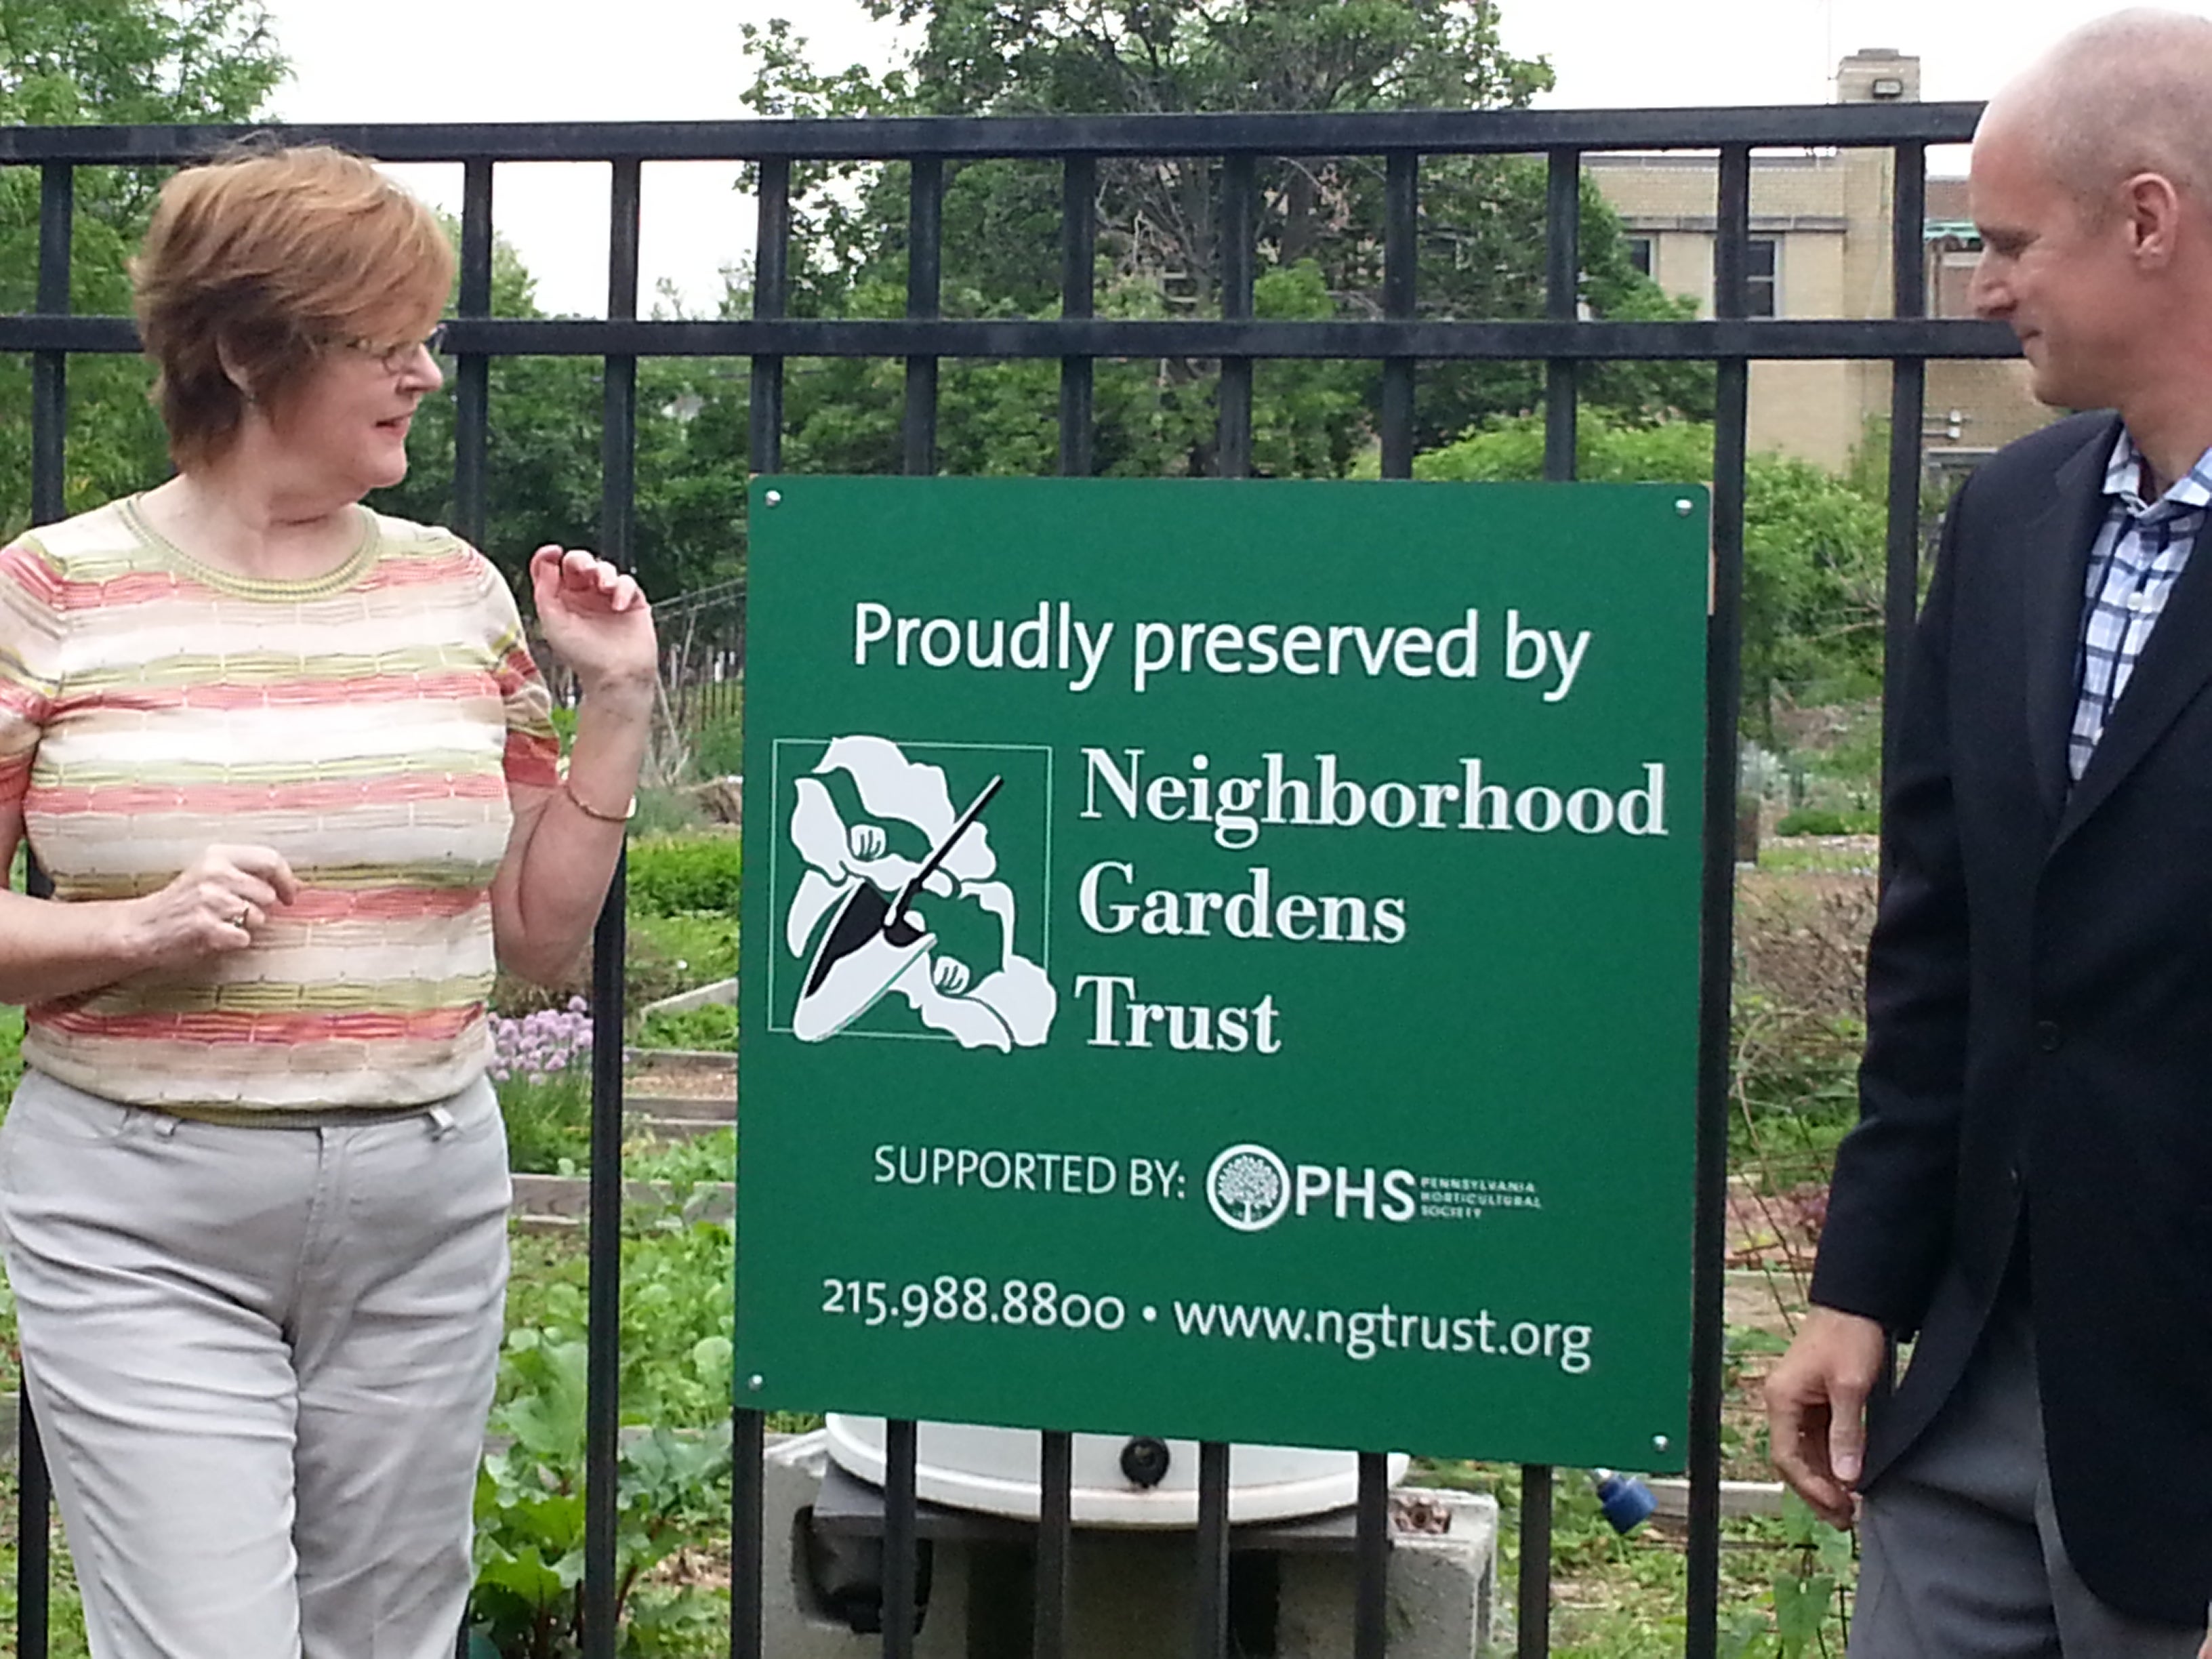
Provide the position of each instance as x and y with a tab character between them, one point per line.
775	846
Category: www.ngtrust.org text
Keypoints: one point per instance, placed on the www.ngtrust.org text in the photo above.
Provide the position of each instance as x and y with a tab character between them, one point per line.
1360	1334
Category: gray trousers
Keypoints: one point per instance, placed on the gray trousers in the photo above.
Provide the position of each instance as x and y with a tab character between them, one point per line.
1959	1552
261	1360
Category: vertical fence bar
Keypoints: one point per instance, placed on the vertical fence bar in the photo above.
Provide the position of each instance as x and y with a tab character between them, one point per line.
771	297
1723	697
49	447
748	1484
918	434
924	271
1370	1599
33	1549
472	373
1562	303
1078	240
764	451
49	367
900	1440
1211	1598
1562	298
1532	1599
1401	293
1908	392
603	1398
1055	1535
1079	256
1236	393
1401	210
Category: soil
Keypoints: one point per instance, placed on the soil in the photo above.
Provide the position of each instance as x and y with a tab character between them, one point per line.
678	1081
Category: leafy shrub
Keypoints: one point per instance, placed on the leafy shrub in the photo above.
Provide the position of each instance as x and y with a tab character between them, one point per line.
1799	1024
1813	542
718	751
679	952
11	1053
677	1318
684	1164
715	1026
666	812
549	1122
1829	821
696	871
528	1600
692	947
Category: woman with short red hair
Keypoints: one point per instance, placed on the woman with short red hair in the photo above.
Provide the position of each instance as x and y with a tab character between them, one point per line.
292	772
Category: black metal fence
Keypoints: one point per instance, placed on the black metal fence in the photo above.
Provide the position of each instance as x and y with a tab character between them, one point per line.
1401	340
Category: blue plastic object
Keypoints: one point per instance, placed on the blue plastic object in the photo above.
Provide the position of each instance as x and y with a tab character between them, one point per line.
1627	1501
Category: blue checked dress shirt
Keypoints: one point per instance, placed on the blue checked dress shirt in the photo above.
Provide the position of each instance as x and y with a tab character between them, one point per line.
2138	555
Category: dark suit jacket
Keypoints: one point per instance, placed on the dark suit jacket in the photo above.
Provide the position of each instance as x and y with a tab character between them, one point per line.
2040	1028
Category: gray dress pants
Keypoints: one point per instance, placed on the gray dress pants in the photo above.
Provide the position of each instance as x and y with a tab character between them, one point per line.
261	1360
1959	1552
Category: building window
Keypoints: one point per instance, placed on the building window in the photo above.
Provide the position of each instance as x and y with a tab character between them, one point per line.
1952	292
1639	252
1764	264
1765	258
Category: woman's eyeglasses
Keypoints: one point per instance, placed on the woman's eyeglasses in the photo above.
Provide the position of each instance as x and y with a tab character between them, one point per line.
396	359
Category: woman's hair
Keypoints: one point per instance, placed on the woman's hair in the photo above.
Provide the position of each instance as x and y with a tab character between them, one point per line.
257	262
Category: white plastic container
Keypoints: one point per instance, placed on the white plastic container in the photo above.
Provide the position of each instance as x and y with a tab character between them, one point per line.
994	1472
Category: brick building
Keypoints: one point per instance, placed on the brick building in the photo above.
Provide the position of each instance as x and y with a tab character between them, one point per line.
1820	247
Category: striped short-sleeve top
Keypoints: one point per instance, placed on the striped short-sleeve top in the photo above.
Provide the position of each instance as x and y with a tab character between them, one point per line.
367	725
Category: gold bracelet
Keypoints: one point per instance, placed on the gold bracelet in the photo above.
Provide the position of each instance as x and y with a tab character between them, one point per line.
577	802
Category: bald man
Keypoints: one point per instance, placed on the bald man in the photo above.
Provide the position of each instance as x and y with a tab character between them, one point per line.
2027	1197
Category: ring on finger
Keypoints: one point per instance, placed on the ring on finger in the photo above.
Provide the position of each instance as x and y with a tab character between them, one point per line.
245	913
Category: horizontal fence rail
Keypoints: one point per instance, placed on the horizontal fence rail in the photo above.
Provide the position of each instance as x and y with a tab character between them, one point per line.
1431	132
1401	340
1242	338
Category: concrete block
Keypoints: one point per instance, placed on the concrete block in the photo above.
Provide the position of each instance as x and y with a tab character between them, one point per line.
722	991
1443	1587
1134	1592
792	1626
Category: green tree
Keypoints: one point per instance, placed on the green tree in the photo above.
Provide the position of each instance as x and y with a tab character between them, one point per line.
1814	544
1319	221
69	62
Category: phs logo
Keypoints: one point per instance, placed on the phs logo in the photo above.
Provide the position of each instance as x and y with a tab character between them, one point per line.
1249	1189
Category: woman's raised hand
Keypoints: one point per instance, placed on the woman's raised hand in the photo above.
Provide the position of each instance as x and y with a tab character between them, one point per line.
595	616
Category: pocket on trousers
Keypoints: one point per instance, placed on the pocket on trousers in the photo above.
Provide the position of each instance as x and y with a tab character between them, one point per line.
474	1113
468	1132
51	1110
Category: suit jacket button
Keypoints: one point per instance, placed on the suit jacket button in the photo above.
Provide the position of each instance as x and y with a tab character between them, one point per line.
2048	1036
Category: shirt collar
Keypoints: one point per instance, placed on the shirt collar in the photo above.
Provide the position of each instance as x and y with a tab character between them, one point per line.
2123	475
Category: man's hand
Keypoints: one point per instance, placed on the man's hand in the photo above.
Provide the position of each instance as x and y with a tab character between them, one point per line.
1816	1411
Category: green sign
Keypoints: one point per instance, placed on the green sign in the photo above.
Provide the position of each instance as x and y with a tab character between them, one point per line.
1220	959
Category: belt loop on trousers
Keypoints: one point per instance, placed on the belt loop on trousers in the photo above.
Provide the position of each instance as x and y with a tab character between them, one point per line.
442	1122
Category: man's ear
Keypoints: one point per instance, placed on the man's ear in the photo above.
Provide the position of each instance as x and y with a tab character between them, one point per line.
2153	207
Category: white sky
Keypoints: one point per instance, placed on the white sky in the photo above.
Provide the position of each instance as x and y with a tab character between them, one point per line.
496	60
